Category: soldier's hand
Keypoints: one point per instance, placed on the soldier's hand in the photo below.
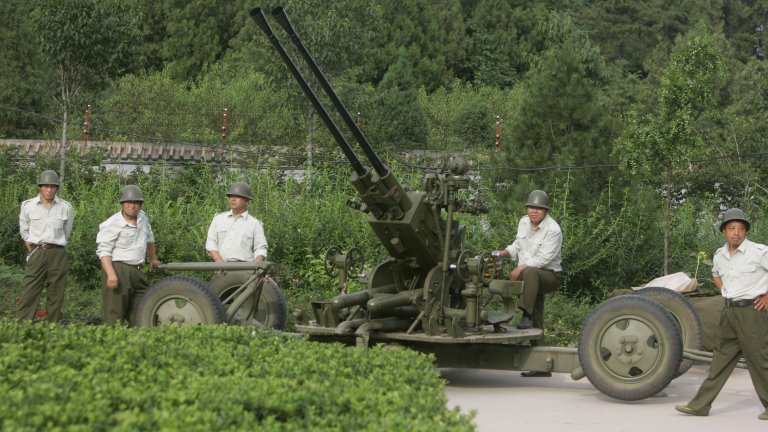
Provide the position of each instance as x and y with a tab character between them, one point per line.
155	263
112	281
761	302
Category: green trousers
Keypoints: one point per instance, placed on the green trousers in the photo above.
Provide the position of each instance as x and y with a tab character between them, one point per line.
743	331
536	283
121	302
45	269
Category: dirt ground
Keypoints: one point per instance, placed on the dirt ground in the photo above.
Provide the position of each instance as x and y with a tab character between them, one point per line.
505	401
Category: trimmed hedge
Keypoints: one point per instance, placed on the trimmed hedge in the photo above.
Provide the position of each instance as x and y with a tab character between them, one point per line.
204	378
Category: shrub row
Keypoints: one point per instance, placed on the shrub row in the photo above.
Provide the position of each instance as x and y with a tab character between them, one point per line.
204	378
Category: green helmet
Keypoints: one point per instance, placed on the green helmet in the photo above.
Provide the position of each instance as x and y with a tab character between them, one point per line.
131	193
48	177
241	189
734	214
538	198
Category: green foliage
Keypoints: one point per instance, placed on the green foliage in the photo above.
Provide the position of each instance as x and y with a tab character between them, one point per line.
559	117
164	109
428	36
198	33
564	317
23	83
668	138
210	378
85	41
398	121
10	281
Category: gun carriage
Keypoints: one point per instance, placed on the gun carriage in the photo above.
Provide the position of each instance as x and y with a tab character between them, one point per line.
431	294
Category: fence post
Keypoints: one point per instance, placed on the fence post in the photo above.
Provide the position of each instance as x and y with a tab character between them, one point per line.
224	127
86	126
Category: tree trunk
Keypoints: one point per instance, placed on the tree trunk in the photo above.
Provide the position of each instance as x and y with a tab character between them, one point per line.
63	149
667	212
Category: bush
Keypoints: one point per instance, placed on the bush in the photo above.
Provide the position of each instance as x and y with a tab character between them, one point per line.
207	378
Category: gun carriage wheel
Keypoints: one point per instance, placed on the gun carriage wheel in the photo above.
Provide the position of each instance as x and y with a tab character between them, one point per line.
266	310
630	347
179	300
686	316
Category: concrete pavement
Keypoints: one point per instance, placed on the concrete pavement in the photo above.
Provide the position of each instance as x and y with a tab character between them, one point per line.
505	401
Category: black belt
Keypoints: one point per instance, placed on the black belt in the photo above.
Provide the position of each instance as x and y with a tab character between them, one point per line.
739	303
136	266
49	246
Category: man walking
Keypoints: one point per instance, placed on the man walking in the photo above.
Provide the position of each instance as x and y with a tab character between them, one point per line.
122	244
45	223
740	272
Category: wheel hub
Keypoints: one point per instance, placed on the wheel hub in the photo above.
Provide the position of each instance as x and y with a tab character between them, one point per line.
630	350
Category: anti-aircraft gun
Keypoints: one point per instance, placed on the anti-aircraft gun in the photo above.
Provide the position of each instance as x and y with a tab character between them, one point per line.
431	294
430	285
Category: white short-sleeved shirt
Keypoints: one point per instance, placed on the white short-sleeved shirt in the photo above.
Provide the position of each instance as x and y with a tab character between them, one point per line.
236	238
123	241
540	247
38	224
744	273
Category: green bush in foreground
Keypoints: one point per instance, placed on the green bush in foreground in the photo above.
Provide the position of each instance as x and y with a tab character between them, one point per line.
206	378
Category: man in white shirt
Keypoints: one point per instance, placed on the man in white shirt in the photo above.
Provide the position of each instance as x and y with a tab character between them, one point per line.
122	244
740	272
537	250
45	224
235	235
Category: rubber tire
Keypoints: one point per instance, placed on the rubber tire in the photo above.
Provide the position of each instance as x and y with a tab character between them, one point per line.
603	337
272	312
198	300
686	315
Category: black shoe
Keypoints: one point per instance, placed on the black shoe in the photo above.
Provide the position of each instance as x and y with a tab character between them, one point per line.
531	374
525	323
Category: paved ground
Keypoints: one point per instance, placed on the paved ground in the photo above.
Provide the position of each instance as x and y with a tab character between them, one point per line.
505	401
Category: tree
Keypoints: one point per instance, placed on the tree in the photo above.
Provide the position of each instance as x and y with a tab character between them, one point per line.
85	44
745	23
198	33
559	115
641	34
666	140
21	87
502	41
398	120
433	35
155	106
338	34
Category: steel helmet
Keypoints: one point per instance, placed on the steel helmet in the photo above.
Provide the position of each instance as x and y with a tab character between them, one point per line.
734	214
241	189
538	198
131	193
48	177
